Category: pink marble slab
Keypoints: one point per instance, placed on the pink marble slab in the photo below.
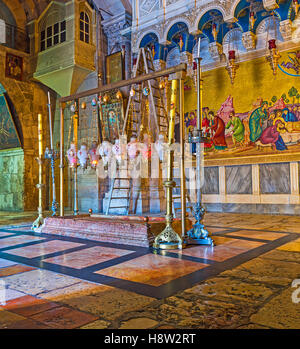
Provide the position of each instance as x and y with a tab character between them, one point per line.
16	240
88	257
43	248
152	269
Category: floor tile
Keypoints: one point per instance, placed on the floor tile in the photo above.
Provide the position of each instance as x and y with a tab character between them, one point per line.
2	234
16	240
215	229
9	294
88	257
64	318
26	324
6	263
152	269
263	235
7	317
44	248
110	303
293	246
73	291
38	281
28	305
217	253
15	269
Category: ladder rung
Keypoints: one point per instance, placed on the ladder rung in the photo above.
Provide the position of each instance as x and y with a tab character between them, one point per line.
121	188
112	207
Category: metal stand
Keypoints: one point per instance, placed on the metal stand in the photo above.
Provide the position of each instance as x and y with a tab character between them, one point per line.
198	235
76	211
52	156
40	220
168	239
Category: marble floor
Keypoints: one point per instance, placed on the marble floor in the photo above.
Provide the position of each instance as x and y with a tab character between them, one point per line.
248	280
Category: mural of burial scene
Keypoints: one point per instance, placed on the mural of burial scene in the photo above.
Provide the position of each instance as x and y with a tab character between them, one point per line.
271	126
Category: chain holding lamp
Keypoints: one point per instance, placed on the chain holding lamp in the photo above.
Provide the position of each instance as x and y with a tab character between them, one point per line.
198	235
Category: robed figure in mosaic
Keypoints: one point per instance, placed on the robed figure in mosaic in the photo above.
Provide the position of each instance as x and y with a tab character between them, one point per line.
256	121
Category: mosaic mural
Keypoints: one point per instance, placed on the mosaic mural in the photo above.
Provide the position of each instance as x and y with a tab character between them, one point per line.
270	125
8	134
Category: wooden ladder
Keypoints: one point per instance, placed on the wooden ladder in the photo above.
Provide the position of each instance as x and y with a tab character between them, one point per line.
133	114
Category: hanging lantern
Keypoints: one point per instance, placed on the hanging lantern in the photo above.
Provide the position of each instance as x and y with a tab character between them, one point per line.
146	91
94	102
105	98
162	84
132	92
83	105
232	67
214	31
296	6
119	95
73	107
273	57
251	20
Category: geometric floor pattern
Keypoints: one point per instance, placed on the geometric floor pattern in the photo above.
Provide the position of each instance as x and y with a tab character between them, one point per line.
34	264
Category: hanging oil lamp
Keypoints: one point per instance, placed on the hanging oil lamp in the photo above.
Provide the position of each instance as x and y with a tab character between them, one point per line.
94	102
119	95
214	31
296	6
273	57
232	66
83	105
105	98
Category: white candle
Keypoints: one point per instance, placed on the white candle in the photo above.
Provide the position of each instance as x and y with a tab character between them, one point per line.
40	135
199	45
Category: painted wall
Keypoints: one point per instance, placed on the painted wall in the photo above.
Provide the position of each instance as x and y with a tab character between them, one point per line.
254	79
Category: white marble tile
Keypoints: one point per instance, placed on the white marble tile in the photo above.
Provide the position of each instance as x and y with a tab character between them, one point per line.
6	263
38	281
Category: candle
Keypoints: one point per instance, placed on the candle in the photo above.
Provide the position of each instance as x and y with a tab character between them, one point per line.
50	121
199	45
40	135
272	44
231	54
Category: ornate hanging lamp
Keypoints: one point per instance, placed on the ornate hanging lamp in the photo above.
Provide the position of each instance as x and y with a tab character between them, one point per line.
232	66
296	6
273	56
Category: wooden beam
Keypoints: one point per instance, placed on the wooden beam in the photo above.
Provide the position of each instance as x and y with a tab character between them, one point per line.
119	84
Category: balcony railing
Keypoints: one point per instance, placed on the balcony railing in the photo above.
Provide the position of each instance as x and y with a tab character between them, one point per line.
16	38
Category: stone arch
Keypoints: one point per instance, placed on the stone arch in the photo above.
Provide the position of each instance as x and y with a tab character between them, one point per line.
204	11
17	11
172	23
148	33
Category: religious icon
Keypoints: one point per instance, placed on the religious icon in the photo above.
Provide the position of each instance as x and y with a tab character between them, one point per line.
14	67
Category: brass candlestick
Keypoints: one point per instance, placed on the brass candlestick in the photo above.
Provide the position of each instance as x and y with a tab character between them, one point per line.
40	220
168	239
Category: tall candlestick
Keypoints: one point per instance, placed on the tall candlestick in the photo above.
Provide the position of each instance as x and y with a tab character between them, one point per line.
50	121
40	135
